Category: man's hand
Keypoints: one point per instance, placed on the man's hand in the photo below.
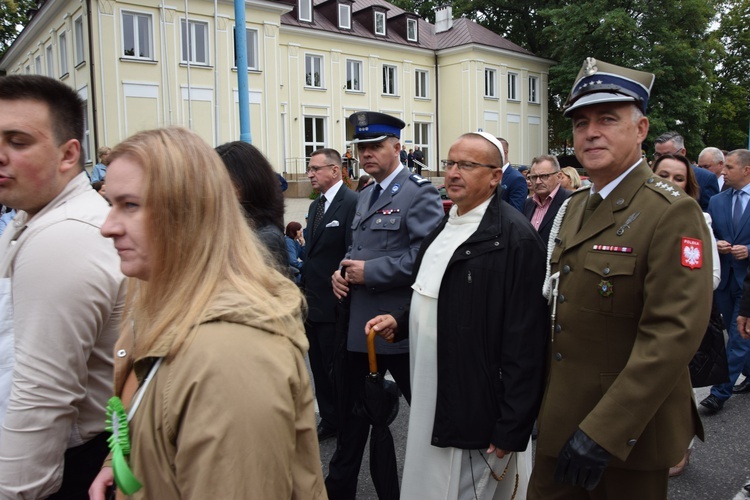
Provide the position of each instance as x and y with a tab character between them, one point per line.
384	325
339	284
739	252
497	451
743	326
355	271
581	462
723	246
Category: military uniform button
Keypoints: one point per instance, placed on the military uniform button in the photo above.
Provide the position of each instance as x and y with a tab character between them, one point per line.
631	442
558	356
620	201
561	299
650	181
566	269
359	247
558	328
606	271
121	353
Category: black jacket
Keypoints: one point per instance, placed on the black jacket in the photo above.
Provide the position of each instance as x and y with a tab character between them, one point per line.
492	330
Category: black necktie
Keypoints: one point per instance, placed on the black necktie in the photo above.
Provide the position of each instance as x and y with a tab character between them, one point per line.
375	194
319	211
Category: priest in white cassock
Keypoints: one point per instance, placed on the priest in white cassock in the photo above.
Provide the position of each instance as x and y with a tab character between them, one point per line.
477	326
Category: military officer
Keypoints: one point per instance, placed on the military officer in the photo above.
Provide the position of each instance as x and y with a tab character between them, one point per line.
631	296
392	217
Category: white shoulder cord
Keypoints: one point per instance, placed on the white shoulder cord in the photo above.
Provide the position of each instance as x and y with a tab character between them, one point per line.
142	389
550	282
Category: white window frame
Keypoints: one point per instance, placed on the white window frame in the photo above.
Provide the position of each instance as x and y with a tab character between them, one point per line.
62	45
316	142
354	66
79	40
534	89
345	16
38	64
513	86
50	55
379	16
137	36
390	79
422	139
422	83
412	30
304	10
311	61
490	83
252	48
189	27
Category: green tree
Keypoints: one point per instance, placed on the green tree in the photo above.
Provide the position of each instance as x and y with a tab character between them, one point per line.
729	109
13	17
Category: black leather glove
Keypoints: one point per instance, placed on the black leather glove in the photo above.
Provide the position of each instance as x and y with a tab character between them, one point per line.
581	461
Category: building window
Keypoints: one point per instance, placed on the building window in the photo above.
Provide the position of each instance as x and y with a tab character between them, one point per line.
136	36
354	75
380	23
512	86
194	42
345	16
252	49
50	61
490	83
314	134
421	79
411	30
86	145
390	82
28	69
62	45
422	139
534	89
78	33
305	10
38	65
314	71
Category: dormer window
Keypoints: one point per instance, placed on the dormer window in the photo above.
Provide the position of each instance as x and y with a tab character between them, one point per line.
305	10
380	23
345	16
411	30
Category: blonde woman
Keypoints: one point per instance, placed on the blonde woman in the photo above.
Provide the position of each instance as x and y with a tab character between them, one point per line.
210	362
570	179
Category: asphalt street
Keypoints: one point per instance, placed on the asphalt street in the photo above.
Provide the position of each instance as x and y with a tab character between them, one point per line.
718	470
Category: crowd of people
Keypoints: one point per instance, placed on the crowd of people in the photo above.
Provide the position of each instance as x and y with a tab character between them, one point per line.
153	336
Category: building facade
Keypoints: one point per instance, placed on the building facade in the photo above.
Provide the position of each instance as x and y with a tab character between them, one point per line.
140	64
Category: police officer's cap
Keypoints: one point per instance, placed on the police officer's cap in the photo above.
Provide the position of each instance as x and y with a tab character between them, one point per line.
601	82
370	126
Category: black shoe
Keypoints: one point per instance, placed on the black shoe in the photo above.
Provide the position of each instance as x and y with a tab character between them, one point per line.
712	403
325	432
742	388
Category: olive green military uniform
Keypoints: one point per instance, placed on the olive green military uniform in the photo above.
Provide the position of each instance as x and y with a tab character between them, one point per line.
633	304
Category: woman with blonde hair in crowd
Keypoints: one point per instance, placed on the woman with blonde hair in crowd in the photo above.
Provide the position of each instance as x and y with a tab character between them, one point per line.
570	179
214	396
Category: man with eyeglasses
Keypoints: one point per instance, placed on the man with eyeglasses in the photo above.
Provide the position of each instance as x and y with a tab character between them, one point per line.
674	143
329	222
393	216
542	208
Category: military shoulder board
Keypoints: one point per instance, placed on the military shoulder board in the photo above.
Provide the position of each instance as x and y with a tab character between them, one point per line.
419	180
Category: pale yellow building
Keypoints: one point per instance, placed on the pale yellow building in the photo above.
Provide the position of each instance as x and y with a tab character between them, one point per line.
141	64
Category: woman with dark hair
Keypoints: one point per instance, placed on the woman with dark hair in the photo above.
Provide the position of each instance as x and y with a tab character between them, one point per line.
364	181
257	187
295	245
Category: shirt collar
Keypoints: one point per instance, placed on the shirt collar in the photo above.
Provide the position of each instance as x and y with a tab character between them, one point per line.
606	190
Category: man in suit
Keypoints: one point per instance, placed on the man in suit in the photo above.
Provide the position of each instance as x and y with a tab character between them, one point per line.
393	216
674	143
730	217
712	159
329	232
542	208
630	286
515	191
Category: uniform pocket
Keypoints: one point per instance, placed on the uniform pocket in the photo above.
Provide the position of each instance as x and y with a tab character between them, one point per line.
613	288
